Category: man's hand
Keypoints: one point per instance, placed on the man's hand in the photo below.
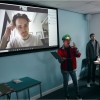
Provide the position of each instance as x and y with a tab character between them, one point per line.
74	45
6	35
8	30
63	59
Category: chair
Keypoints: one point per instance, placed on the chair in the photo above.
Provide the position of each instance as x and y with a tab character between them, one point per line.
84	65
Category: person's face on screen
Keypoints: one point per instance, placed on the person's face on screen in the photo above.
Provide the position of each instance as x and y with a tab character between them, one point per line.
22	25
66	43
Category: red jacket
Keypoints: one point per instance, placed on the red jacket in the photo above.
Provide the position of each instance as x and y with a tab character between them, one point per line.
63	53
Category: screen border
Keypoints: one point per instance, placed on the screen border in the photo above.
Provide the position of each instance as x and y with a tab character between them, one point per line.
28	49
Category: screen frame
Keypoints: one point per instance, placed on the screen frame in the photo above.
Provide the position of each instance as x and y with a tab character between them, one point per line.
29	49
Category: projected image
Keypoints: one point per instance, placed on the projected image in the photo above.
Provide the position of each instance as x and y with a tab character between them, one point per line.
27	28
23	29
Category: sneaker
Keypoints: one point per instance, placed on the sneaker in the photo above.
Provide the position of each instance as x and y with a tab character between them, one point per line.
88	85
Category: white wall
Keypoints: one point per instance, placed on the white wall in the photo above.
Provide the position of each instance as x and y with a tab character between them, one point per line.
74	24
95	25
42	65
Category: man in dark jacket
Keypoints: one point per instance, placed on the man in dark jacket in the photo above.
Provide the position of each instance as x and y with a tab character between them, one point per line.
68	56
92	52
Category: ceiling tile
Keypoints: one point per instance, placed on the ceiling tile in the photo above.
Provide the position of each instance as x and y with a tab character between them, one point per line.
80	6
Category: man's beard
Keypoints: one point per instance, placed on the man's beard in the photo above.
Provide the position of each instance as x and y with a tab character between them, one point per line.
25	35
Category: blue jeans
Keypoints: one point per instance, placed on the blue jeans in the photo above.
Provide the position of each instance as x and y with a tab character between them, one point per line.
66	79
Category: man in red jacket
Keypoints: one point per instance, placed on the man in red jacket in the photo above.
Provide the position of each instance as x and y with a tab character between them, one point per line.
68	56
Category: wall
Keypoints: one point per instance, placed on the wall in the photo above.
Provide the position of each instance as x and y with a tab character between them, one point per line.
95	25
41	65
76	25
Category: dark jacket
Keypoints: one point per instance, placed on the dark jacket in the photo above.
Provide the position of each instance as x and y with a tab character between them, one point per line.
73	52
92	54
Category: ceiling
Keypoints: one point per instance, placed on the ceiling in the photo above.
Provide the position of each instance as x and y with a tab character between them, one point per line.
79	6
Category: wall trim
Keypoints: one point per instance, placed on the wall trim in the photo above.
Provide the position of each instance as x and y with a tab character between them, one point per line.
50	91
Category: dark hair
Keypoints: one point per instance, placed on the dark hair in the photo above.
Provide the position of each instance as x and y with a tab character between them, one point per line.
18	15
91	34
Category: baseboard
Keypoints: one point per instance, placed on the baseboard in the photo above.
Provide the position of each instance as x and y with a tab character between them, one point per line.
50	91
47	92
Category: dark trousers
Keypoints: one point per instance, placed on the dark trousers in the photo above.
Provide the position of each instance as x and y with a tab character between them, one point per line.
91	72
74	79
